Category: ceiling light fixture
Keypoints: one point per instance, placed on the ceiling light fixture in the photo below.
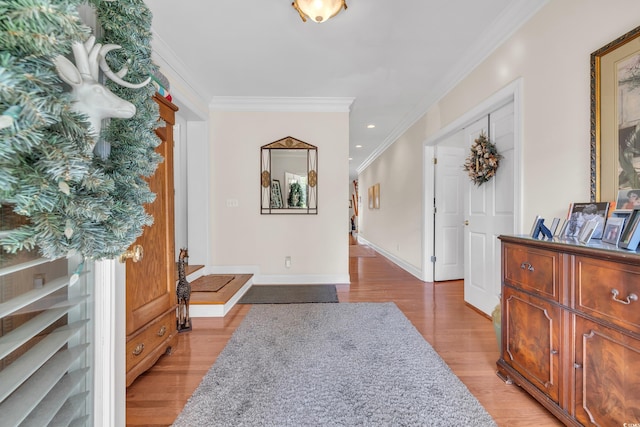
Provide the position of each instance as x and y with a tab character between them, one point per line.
318	10
371	126
358	146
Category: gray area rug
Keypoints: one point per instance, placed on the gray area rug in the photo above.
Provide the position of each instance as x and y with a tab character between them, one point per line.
347	364
289	294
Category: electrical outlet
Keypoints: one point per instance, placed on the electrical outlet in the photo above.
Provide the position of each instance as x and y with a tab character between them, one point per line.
287	262
38	281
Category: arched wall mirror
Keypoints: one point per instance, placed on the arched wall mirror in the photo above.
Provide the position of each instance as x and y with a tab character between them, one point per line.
289	177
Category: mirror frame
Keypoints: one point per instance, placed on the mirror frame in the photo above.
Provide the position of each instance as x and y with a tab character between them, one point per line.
268	188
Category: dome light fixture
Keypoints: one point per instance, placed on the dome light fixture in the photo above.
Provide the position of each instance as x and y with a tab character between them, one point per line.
318	10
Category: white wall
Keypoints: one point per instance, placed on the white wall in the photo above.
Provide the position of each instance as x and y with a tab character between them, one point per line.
551	53
241	236
396	227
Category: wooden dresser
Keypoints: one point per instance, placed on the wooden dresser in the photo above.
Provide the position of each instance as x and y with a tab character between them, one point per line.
151	296
571	328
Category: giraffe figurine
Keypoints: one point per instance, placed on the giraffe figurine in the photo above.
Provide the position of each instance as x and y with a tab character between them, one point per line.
183	291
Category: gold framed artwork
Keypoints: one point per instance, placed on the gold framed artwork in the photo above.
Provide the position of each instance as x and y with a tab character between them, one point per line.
376	196
615	117
370	191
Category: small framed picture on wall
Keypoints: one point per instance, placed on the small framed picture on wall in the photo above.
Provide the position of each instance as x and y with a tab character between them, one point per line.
371	197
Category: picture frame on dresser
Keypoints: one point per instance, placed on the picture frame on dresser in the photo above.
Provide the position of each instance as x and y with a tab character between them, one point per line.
535	226
587	230
631	234
613	230
615	121
561	230
580	213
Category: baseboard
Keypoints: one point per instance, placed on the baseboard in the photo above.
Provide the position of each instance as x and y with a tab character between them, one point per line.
233	269
303	279
279	279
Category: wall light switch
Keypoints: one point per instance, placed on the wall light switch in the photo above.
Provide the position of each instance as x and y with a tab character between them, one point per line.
232	203
287	262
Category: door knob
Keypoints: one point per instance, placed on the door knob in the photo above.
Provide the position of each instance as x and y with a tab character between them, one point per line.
466	222
135	253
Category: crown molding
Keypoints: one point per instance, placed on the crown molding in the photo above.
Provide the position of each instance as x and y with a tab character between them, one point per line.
499	31
280	104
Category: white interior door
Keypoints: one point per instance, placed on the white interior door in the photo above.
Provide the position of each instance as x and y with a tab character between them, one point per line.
449	182
489	211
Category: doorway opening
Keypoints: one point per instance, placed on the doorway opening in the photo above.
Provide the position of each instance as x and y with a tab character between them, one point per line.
462	221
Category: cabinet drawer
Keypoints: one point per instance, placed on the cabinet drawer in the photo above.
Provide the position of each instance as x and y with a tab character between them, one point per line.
149	338
534	270
608	291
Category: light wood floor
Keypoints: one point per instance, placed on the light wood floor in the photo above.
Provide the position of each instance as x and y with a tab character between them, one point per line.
464	339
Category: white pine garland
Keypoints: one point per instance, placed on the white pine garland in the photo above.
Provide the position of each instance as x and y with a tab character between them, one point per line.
70	201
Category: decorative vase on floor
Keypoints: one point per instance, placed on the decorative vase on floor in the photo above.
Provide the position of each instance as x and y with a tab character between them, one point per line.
496	315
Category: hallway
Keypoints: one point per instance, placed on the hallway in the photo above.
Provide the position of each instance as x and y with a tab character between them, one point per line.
464	339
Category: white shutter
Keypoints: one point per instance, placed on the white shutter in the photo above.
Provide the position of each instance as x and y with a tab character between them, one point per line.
45	349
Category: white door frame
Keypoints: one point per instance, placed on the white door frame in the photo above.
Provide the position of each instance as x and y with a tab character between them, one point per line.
109	364
512	91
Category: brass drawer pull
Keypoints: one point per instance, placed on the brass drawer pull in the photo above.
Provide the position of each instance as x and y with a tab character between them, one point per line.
526	266
139	349
162	331
631	297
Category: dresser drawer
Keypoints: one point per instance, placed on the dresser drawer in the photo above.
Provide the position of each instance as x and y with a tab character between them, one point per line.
533	270
149	338
608	291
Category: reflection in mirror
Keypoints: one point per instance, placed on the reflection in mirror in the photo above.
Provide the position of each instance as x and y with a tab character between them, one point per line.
296	190
289	177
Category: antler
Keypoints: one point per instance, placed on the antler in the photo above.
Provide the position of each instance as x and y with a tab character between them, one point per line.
90	57
117	77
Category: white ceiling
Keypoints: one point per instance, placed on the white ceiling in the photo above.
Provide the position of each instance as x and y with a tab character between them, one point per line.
395	58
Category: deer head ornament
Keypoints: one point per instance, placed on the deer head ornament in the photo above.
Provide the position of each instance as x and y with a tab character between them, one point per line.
89	96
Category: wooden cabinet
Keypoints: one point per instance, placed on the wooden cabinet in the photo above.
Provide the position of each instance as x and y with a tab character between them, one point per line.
571	328
151	298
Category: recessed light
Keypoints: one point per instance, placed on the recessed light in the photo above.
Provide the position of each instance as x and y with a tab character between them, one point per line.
358	146
350	158
371	126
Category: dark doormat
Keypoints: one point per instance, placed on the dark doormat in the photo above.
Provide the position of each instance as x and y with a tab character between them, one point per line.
289	294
